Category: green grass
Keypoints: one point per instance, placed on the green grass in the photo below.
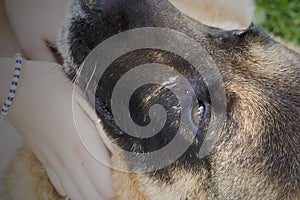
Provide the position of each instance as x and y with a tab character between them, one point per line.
279	17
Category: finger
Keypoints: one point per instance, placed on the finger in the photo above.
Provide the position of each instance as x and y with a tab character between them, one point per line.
89	140
85	186
96	159
69	167
98	172
55	181
79	179
60	176
50	172
101	178
82	109
71	189
94	153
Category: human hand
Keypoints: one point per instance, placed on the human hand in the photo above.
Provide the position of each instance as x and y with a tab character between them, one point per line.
42	113
34	22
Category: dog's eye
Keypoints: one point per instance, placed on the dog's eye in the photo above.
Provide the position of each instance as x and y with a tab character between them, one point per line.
199	113
95	5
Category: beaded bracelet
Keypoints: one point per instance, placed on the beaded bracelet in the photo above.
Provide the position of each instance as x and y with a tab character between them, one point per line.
13	87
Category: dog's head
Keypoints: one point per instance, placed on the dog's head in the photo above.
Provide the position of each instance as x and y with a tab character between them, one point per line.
257	153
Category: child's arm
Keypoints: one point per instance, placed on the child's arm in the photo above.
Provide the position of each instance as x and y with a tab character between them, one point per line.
42	113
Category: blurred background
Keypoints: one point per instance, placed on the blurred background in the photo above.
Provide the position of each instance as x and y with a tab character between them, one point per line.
280	18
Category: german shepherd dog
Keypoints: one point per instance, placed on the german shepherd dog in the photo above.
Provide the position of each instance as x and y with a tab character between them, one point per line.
257	153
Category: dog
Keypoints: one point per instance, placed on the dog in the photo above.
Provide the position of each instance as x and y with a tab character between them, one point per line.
257	153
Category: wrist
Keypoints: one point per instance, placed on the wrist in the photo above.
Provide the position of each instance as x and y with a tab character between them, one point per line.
7	70
13	87
42	87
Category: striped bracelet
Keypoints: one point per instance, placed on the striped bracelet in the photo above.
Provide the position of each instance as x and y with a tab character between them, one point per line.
13	86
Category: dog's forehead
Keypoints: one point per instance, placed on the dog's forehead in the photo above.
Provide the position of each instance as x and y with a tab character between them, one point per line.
86	28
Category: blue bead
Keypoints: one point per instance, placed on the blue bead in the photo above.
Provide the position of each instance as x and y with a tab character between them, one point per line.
10	98
12	91
16	76
18	69
6	105
14	83
4	110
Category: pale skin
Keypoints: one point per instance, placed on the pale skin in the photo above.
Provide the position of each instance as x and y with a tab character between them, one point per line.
43	109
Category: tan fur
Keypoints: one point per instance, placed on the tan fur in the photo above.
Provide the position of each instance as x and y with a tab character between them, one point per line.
125	183
26	179
140	187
